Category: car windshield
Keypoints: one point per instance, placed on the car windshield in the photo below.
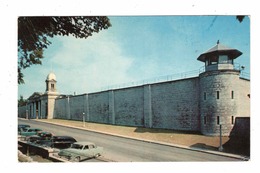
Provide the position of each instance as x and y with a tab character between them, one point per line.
77	146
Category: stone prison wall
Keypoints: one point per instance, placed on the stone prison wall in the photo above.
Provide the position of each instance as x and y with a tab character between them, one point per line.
168	105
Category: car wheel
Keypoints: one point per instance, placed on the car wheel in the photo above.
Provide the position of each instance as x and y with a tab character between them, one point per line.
77	159
69	157
97	155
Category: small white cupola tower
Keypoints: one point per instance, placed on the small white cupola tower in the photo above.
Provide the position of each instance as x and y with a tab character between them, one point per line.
51	94
219	57
51	83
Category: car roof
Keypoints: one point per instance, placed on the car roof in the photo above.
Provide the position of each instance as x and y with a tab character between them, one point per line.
34	136
23	125
84	143
63	137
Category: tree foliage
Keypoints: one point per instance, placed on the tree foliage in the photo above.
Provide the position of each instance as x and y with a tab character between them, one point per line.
240	18
33	34
22	101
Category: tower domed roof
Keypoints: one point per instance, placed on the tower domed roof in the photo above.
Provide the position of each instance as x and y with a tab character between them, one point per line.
51	76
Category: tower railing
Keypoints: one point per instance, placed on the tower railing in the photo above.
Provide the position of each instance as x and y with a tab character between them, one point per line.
238	67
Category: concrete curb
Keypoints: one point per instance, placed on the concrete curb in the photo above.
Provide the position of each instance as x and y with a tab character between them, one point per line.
244	158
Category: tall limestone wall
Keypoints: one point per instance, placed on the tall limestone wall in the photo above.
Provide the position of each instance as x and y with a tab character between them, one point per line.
129	106
243	97
91	107
61	109
168	105
98	107
76	107
175	105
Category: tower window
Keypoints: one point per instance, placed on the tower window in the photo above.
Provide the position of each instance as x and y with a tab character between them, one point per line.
232	119
218	120
207	62
232	94
205	96
223	59
52	86
205	119
213	60
217	94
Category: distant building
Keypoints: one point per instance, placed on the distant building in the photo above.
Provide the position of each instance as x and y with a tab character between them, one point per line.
41	105
217	96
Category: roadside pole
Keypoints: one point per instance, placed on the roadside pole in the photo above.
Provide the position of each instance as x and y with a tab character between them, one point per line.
220	138
83	115
26	114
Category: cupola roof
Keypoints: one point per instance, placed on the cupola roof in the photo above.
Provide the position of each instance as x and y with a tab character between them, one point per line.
51	76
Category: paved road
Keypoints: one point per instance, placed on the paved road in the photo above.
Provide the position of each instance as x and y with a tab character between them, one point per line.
128	150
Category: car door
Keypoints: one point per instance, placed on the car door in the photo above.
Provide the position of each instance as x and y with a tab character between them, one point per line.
92	150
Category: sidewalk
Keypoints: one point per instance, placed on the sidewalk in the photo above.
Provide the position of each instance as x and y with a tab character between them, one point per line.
167	137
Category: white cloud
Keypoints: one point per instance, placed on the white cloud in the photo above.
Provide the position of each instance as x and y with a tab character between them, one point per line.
87	65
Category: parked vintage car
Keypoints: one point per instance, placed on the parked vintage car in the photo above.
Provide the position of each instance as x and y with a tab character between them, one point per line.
60	142
40	136
80	151
22	127
29	131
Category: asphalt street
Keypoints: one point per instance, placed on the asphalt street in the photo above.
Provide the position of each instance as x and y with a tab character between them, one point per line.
120	149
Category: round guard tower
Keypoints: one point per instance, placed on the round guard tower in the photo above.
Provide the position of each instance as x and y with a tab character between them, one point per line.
219	90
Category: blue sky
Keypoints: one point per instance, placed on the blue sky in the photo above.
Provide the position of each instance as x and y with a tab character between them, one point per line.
135	48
